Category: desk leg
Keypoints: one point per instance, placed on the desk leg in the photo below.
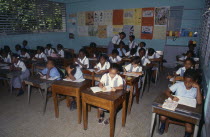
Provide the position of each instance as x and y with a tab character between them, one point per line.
78	106
67	101
29	93
85	115
130	99
45	99
112	120
124	113
55	104
137	93
152	123
195	131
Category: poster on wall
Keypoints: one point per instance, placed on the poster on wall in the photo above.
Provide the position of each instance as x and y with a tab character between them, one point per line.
93	30
81	18
89	20
137	31
138	16
128	29
117	17
147	23
159	32
161	15
117	29
102	31
109	30
108	15
128	16
98	17
147	12
82	30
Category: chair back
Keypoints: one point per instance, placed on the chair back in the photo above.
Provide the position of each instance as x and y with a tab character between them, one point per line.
89	75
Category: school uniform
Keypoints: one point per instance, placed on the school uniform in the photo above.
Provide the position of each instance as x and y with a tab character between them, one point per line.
78	74
25	47
121	52
18	52
84	61
115	60
132	44
115	40
181	71
180	90
48	52
145	61
61	53
105	66
183	58
108	81
25	73
53	73
7	59
128	54
137	51
130	68
154	56
41	56
25	56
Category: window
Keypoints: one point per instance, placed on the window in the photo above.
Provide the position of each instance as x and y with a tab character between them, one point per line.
31	16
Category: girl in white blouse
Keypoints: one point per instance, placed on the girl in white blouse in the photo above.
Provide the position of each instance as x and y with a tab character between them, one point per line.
60	50
103	65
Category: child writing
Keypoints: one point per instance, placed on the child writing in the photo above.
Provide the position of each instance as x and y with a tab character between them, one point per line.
103	65
40	56
115	58
132	44
190	89
82	60
25	73
24	54
121	49
48	51
60	50
134	67
113	81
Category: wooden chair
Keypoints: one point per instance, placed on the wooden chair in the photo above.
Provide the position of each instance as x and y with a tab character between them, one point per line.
89	75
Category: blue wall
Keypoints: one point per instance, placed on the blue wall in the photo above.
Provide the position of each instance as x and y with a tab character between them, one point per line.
94	5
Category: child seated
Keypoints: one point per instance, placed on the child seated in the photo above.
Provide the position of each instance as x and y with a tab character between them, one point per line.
134	66
190	89
24	54
152	55
6	57
25	73
113	81
48	51
132	44
40	56
121	49
140	46
60	50
144	60
115	58
82	60
18	49
103	65
131	53
50	72
189	54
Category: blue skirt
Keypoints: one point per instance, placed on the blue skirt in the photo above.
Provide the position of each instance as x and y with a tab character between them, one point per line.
17	81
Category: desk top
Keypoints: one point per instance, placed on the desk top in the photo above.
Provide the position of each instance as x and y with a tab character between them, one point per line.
36	80
71	84
111	96
9	73
181	109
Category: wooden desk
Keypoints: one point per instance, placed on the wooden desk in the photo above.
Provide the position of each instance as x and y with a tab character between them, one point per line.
69	89
38	65
183	113
93	50
107	100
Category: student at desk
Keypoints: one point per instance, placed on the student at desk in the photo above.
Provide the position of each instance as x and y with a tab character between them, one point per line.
25	73
140	46
6	57
190	89
18	49
24	54
40	56
132	44
115	58
121	49
48	51
144	60
114	82
103	65
82	60
189	54
131	53
60	50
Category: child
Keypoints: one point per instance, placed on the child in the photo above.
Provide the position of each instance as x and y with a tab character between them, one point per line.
189	54
144	61
134	66
103	65
190	89
60	50
25	44
48	51
74	72
50	72
115	42
191	47
18	49
131	53
7	49
113	81
132	44
40	56
115	58
82	60
25	73
24	54
141	45
152	55
6	57
121	49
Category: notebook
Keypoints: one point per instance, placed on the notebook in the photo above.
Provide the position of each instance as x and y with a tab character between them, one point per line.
131	75
78	80
98	89
170	104
187	101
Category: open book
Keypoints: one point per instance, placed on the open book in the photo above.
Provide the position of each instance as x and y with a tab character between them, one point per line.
131	75
78	80
170	104
98	89
93	70
187	101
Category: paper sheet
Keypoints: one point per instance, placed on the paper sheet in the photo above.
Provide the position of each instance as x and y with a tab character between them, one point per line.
170	104
82	30
81	18
92	30
44	77
159	32
102	31
109	31
108	15
129	16
98	89
131	75
98	17
89	20
187	101
78	80
117	17
137	16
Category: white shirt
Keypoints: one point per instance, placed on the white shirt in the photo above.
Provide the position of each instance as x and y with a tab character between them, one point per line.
115	60
78	74
21	65
181	71
145	61
41	56
137	51
154	56
116	39
25	56
183	58
121	52
7	59
132	44
49	52
84	61
61	53
130	68
108	81
128	54
105	66
180	90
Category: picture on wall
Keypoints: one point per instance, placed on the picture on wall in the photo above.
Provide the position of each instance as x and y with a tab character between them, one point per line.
161	15
146	29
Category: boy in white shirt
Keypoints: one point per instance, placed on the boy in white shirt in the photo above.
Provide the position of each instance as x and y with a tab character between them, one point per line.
132	44
60	50
121	49
24	54
40	56
113	81
144	61
190	89
48	51
131	53
6	57
140	46
103	65
115	58
82	60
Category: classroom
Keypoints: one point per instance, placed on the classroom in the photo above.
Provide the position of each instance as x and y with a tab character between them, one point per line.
105	68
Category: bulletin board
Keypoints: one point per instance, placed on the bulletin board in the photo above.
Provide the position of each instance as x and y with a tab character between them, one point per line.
144	23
